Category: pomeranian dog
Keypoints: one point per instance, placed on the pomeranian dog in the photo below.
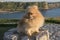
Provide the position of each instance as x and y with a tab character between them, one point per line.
31	22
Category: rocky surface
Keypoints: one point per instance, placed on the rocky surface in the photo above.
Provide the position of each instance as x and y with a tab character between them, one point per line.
54	32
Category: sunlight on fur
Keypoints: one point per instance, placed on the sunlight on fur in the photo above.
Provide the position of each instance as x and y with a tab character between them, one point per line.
31	22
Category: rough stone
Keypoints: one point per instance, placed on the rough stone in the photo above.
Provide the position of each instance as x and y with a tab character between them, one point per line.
54	32
13	35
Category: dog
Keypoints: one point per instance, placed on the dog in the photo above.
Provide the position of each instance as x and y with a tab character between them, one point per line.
31	22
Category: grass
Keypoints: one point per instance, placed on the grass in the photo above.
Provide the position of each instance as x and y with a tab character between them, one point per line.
47	20
8	20
53	20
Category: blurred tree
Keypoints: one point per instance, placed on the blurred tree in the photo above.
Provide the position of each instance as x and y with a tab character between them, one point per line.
14	6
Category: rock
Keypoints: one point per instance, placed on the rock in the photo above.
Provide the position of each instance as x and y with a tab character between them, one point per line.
9	35
53	29
54	33
43	35
13	35
25	38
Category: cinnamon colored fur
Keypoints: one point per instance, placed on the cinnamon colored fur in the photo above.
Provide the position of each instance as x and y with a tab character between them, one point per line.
32	21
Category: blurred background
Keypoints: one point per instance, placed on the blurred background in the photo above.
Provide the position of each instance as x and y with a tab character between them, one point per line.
12	12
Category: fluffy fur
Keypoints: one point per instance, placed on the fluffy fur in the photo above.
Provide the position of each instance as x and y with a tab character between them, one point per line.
31	22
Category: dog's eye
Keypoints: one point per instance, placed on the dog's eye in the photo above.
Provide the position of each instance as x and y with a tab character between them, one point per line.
29	13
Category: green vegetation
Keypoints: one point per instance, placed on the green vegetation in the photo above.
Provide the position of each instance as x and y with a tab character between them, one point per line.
53	20
5	27
8	20
47	20
18	6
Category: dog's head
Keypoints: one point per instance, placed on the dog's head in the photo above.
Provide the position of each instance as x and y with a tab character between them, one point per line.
32	12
